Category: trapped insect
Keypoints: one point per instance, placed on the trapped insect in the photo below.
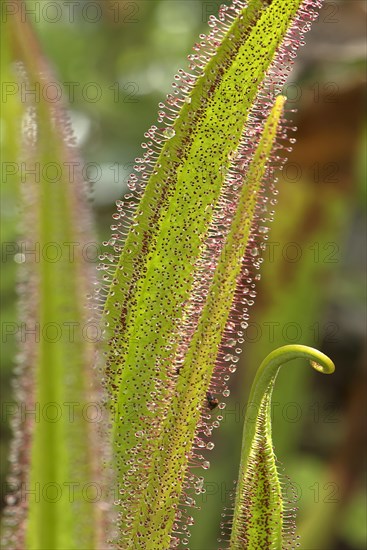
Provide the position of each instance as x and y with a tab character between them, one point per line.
212	401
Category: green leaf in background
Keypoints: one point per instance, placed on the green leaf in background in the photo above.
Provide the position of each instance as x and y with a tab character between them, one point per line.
56	453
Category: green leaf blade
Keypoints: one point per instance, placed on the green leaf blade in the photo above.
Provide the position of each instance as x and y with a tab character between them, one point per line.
171	457
258	520
56	447
152	281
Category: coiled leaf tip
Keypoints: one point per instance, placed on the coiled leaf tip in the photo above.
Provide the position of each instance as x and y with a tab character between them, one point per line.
258	520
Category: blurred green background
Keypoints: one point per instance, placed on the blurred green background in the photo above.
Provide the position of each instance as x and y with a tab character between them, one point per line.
115	60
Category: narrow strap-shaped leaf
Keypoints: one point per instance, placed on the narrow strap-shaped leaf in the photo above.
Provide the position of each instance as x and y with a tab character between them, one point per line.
206	131
58	354
154	520
258	520
152	280
182	193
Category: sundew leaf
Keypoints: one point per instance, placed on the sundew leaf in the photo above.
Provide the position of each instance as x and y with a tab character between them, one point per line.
55	460
259	519
167	240
170	458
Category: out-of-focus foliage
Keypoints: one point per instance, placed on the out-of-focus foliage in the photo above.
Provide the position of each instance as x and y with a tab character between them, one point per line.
51	369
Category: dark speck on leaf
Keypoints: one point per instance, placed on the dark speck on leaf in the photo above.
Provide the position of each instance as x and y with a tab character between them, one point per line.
212	401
